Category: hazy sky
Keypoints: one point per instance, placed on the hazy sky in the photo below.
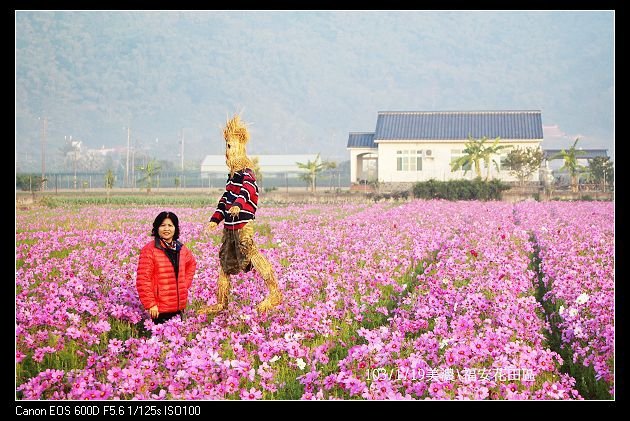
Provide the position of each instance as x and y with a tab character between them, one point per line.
306	79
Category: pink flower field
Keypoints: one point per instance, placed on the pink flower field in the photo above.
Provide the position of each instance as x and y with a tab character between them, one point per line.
428	300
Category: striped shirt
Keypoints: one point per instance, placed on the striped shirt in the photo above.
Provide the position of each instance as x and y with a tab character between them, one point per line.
240	190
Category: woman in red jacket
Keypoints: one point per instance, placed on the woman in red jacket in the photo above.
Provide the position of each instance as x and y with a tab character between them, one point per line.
165	270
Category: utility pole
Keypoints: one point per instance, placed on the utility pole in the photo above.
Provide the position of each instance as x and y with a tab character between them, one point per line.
127	164
182	153
75	161
44	124
133	163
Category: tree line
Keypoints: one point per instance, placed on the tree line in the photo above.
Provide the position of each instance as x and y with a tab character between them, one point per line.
522	162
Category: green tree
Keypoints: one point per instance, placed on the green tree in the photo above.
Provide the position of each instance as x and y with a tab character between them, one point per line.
570	158
150	171
313	168
523	162
29	182
489	152
475	152
330	166
257	171
109	182
602	170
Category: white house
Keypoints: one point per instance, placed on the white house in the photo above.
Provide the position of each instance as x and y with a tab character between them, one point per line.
410	146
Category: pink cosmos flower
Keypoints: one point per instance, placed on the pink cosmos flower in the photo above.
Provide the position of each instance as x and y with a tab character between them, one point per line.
251	395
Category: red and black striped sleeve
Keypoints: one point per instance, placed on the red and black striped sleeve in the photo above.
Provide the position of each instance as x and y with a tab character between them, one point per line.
219	213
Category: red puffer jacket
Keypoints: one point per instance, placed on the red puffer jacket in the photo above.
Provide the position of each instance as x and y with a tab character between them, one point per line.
156	282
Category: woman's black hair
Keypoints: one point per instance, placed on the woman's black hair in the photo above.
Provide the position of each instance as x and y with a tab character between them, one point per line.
160	218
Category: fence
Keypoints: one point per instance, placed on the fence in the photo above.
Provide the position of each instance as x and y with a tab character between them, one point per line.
169	179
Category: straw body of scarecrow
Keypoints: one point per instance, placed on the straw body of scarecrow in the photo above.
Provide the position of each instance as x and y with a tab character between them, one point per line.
237	209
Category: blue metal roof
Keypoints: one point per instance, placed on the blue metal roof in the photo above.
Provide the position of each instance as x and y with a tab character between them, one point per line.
457	125
587	153
361	140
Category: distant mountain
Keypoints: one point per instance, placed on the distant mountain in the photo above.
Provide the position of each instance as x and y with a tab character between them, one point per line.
303	80
92	74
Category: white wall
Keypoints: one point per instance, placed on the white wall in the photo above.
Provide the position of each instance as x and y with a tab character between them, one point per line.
355	170
438	165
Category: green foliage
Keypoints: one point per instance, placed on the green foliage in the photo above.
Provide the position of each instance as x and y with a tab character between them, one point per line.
570	157
476	189
523	162
190	201
263	229
313	168
68	358
602	171
257	171
475	152
586	382
109	179
399	195
29	182
150	173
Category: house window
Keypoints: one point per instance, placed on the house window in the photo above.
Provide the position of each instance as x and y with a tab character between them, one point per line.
409	160
503	165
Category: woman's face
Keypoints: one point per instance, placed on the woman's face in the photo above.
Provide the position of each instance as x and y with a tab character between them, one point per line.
166	230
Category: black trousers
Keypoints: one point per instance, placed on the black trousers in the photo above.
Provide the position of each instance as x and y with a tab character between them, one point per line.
165	316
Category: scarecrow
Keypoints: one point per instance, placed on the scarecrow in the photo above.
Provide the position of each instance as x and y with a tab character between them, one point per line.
237	209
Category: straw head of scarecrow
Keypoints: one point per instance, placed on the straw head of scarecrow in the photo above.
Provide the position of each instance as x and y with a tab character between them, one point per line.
236	137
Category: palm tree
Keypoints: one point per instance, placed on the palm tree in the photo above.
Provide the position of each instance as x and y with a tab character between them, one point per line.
489	151
475	152
330	165
312	169
150	171
109	182
570	163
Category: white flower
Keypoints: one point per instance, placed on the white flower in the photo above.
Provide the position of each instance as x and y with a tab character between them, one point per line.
404	287
274	359
583	298
301	363
573	312
290	337
561	310
443	343
577	331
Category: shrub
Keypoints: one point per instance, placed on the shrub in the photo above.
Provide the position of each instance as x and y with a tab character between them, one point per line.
476	189
28	182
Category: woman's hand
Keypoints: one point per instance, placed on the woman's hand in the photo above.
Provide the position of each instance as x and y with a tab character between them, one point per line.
154	312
